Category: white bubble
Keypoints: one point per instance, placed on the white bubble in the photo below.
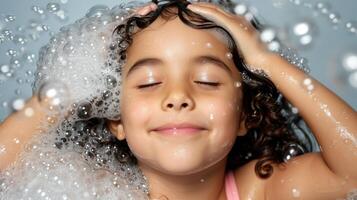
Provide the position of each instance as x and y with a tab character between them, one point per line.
301	28
352	79
306	39
274	46
268	35
240	9
18	104
4	69
349	61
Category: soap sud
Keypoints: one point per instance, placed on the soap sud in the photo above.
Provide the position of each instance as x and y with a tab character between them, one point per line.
80	62
43	171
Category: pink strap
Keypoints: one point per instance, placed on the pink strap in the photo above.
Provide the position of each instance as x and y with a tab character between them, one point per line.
231	187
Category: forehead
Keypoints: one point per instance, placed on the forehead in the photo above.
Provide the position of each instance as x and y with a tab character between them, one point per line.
173	35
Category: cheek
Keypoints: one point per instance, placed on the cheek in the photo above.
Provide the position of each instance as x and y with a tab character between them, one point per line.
135	110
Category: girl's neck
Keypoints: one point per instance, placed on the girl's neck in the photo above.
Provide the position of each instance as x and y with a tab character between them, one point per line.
207	184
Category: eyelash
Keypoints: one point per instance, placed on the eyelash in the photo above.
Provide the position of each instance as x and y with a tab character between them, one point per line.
213	84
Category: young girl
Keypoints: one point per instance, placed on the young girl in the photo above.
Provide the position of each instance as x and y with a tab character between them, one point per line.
204	125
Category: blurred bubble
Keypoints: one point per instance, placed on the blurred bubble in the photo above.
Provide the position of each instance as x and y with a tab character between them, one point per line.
352	79
301	28
11	53
10	18
304	32
18	104
38	10
349	61
53	7
97	11
268	35
351	26
4	69
240	9
54	94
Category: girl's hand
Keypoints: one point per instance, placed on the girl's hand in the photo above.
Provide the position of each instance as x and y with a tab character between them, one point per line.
255	52
145	9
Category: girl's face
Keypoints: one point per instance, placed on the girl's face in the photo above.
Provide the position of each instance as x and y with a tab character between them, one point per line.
177	61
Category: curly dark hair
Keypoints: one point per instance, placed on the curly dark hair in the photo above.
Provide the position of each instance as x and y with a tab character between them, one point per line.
273	129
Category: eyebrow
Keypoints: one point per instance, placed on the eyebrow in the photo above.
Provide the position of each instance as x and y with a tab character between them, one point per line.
198	59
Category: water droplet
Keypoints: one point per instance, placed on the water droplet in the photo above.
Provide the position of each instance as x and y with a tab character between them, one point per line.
10	18
38	10
296	193
2	149
53	7
29	112
11	53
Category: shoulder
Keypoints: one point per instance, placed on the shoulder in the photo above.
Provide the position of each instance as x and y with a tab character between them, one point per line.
249	184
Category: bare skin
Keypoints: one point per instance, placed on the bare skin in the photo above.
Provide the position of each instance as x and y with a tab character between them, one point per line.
177	170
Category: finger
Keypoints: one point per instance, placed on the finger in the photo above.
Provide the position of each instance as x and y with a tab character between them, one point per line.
220	16
146	9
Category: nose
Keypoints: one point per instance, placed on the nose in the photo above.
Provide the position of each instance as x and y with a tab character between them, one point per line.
178	100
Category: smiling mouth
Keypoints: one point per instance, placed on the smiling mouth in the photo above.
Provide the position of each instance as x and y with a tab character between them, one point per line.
180	131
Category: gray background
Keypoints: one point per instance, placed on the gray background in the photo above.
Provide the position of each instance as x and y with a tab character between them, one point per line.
330	43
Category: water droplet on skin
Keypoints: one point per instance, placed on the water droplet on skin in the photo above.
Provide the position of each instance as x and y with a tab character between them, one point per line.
237	84
202	180
229	55
209	45
18	104
2	149
29	112
211	116
16	140
295	193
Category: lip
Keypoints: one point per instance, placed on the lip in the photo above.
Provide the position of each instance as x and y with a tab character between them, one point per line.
179	129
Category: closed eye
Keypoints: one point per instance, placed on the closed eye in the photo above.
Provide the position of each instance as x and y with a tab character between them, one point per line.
148	85
199	82
208	83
